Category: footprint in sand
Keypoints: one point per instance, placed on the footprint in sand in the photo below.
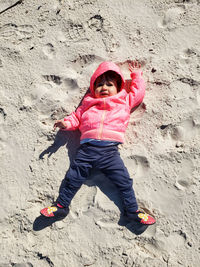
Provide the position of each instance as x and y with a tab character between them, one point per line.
185	170
44	16
50	95
110	42
83	60
70	84
137	165
186	130
53	78
170	243
189	57
14	32
61	37
96	23
49	51
83	31
75	32
86	195
171	16
190	52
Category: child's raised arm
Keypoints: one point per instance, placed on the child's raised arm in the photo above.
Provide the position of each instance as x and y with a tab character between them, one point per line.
137	89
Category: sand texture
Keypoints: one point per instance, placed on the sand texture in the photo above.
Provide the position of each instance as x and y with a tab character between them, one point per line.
48	52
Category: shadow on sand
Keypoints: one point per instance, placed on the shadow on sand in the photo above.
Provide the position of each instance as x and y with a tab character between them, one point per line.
41	222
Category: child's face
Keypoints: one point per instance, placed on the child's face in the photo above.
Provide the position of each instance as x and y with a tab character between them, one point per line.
105	87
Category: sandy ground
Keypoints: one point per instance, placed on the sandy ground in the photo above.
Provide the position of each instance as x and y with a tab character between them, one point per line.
48	51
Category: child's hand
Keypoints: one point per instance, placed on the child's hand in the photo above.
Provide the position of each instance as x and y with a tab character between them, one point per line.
60	124
134	66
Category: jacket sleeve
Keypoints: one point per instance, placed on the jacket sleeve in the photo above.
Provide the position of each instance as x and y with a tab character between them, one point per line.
73	120
137	89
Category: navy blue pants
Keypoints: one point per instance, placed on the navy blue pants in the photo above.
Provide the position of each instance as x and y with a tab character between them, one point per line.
108	161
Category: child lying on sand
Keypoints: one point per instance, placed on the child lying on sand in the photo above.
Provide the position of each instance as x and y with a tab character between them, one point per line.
102	119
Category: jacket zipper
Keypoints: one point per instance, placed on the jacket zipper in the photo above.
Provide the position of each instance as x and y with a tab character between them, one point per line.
102	120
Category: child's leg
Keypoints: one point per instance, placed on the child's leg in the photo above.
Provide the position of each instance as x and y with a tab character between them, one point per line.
78	171
113	167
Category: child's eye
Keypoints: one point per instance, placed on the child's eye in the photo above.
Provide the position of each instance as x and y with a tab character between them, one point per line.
109	84
99	84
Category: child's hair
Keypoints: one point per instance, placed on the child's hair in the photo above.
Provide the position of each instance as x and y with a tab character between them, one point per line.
112	75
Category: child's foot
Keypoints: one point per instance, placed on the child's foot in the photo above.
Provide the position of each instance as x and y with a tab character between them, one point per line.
141	217
57	211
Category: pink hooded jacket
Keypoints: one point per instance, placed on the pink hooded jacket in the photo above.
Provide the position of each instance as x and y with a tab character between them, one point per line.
107	118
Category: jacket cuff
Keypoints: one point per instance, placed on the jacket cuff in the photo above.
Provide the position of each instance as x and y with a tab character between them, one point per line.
67	125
